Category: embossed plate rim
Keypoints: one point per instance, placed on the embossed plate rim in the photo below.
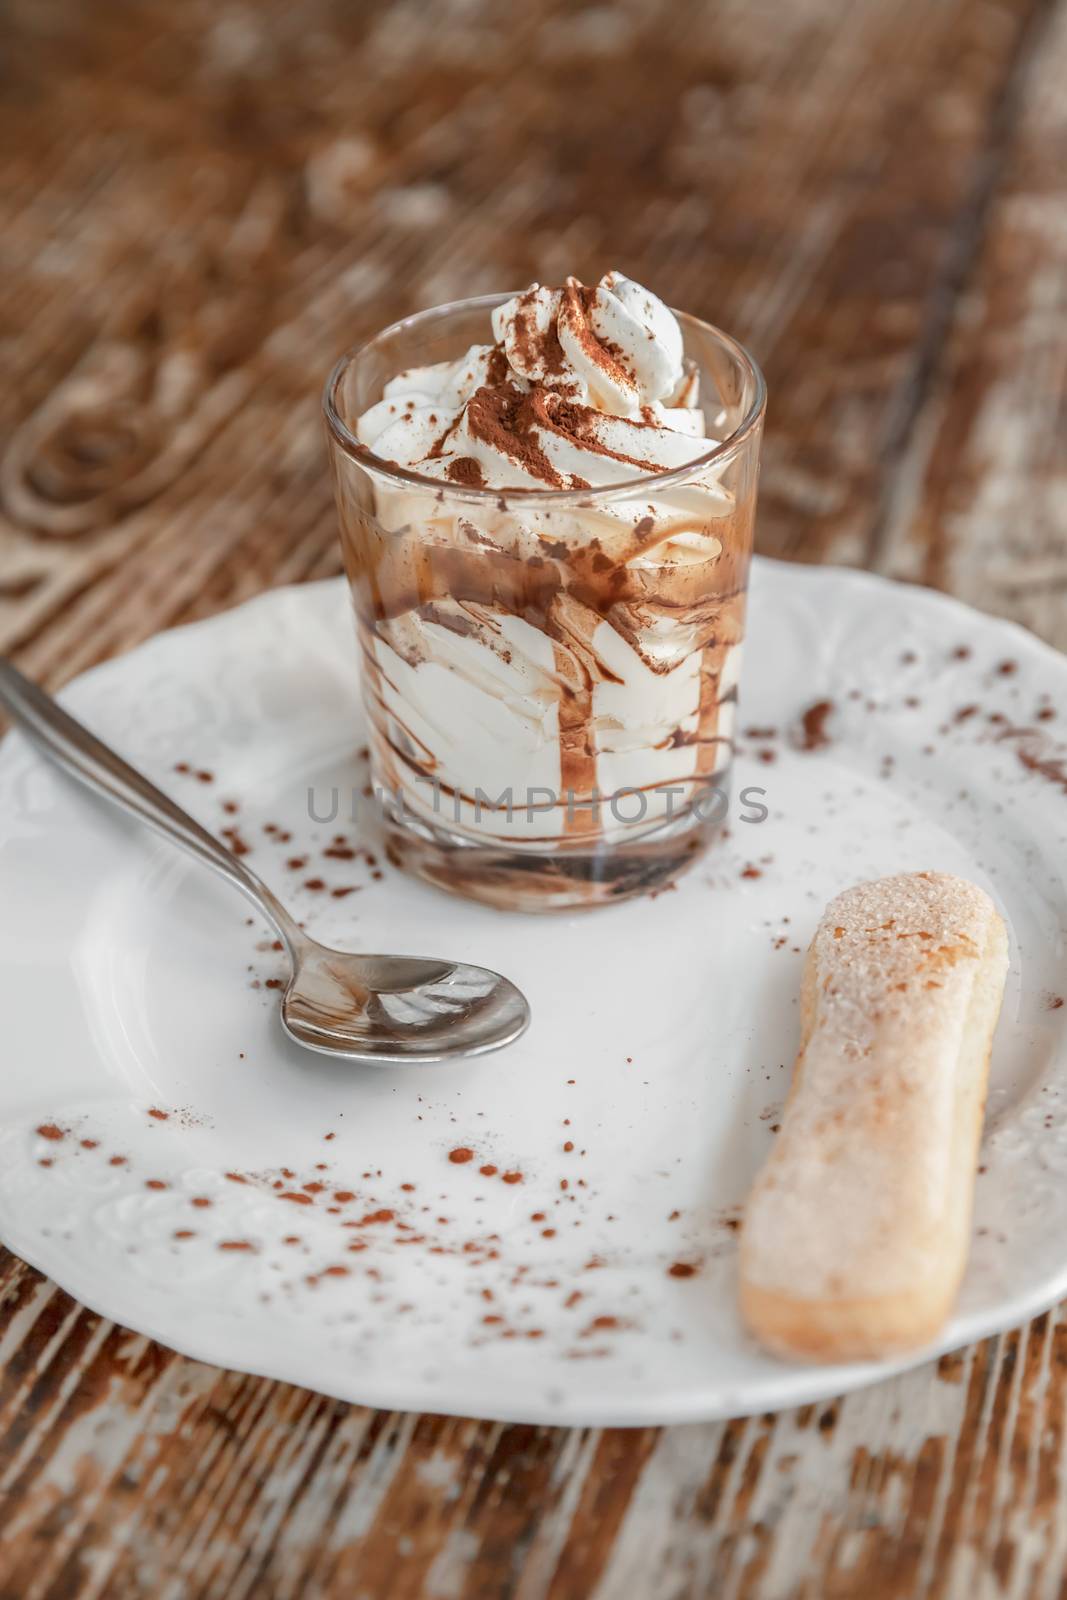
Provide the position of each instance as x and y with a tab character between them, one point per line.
777	1386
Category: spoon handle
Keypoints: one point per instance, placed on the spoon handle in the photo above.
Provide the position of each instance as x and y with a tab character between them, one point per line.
80	753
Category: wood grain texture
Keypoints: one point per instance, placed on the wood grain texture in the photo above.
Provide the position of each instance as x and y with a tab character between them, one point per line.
202	205
979	506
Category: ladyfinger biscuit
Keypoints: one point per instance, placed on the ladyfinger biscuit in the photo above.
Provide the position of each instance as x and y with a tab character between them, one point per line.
856	1232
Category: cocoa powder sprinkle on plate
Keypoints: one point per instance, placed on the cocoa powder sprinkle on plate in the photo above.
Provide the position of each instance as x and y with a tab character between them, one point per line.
813	725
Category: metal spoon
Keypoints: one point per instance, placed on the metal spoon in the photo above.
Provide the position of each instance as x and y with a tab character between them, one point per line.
368	1008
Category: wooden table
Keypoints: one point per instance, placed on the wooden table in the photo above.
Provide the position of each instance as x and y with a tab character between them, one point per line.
203	204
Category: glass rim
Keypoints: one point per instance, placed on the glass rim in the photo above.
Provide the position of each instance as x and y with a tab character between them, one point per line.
346	439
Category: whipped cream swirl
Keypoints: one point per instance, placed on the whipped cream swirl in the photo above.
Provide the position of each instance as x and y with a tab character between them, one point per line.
584	387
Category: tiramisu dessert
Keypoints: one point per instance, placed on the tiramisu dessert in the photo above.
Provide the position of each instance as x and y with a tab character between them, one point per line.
547	532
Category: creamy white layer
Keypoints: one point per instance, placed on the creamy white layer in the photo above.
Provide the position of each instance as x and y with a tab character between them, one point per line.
472	722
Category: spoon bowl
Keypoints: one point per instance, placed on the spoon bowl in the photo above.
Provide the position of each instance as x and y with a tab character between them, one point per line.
367	1008
398	1009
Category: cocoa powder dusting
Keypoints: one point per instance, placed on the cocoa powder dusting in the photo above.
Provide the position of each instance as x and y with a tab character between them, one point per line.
1032	750
533	347
1052	768
813	725
504	419
467	471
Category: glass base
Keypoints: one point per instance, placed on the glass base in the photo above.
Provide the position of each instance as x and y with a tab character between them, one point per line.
568	877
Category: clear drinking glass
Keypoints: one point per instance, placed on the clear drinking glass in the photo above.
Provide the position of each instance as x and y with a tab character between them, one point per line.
550	676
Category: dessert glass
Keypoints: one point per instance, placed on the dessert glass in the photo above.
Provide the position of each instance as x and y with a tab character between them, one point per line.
550	676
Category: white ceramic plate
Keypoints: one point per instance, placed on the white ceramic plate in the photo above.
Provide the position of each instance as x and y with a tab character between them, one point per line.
354	1255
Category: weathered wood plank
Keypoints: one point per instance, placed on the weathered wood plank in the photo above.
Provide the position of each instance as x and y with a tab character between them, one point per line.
980	506
798	175
121	1459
